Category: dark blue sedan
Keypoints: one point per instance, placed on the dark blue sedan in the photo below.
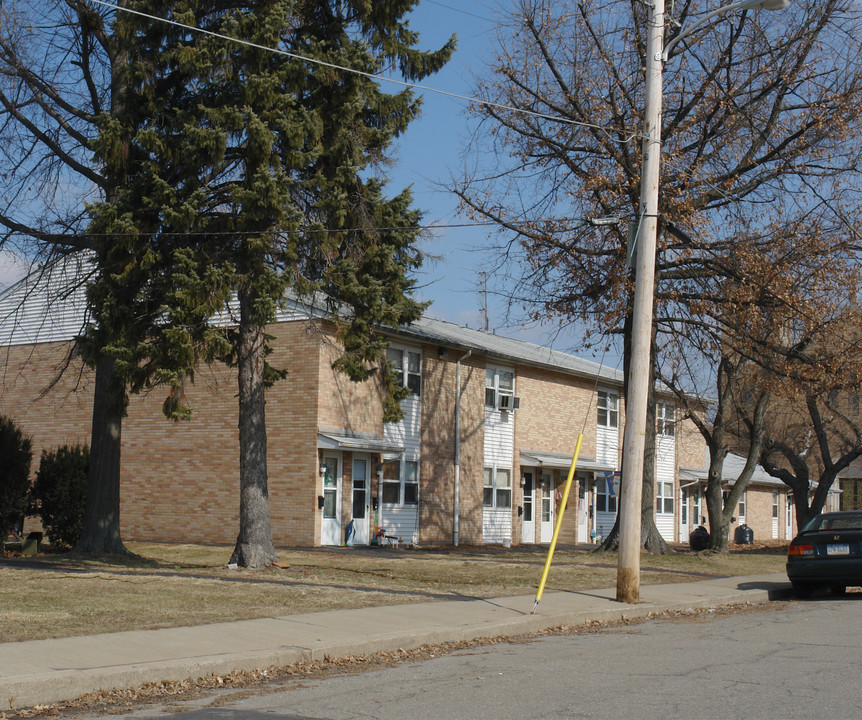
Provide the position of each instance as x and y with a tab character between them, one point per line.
827	553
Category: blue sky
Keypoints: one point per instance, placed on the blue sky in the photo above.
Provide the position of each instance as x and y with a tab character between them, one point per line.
430	153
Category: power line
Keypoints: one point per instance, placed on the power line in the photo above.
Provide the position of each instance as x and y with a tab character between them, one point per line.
371	76
458	10
245	233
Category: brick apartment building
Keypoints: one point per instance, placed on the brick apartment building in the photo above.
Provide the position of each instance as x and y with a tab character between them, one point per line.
480	455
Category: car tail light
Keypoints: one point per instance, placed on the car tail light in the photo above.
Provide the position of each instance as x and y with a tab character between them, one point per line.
800	549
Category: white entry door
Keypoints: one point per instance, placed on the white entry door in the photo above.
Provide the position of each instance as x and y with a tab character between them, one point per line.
683	515
528	518
788	517
775	514
580	488
547	509
361	500
330	523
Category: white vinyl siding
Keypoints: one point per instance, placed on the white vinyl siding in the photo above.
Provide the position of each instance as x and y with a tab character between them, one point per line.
401	522
499	450
607	428
400	519
47	306
497	526
665	467
50	305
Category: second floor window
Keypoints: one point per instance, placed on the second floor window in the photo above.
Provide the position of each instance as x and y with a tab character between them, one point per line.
408	367
664	419
499	388
608	409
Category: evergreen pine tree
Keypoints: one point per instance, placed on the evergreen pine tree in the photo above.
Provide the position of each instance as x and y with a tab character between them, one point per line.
250	170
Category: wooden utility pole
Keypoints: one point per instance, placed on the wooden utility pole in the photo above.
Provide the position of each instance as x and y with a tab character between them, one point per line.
628	569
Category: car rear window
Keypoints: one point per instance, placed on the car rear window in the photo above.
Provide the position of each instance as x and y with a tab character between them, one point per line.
852	521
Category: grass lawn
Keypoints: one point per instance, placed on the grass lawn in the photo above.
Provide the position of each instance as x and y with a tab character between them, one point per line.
172	585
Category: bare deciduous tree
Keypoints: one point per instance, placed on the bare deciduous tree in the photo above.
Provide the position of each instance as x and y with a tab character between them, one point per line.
760	140
58	77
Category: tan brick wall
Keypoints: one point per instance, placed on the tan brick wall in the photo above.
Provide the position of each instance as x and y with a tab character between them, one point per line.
344	404
758	513
690	446
555	409
180	481
437	471
65	413
291	420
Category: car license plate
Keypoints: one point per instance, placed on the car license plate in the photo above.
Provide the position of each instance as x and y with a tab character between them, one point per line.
837	549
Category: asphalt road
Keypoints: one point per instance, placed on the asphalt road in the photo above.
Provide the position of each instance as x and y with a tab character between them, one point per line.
791	660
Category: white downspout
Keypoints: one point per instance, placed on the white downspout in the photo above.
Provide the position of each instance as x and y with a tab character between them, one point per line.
456	525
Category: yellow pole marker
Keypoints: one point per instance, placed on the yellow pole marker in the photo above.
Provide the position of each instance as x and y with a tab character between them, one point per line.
559	523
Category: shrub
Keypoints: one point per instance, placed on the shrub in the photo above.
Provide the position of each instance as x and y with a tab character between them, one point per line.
59	493
15	459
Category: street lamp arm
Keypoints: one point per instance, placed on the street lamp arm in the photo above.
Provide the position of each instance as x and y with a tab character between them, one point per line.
705	20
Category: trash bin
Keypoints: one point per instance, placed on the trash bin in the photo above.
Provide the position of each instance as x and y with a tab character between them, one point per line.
743	535
30	544
699	539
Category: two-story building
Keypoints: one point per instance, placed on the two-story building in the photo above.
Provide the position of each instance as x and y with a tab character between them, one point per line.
480	455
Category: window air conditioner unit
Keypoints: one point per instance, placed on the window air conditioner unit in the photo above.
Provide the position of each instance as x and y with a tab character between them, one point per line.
508	402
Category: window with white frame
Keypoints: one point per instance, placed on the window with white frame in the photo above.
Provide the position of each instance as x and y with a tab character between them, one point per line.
695	505
665	419
606	499
499	388
775	505
664	498
497	490
608	409
407	365
400	482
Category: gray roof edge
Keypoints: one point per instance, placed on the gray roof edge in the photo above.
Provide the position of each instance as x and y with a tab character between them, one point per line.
444	332
737	463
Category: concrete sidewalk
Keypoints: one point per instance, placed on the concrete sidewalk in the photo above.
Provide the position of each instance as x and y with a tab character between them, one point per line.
41	672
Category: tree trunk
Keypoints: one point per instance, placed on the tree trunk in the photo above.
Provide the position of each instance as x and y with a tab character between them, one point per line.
101	531
803	511
254	548
651	539
719	527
